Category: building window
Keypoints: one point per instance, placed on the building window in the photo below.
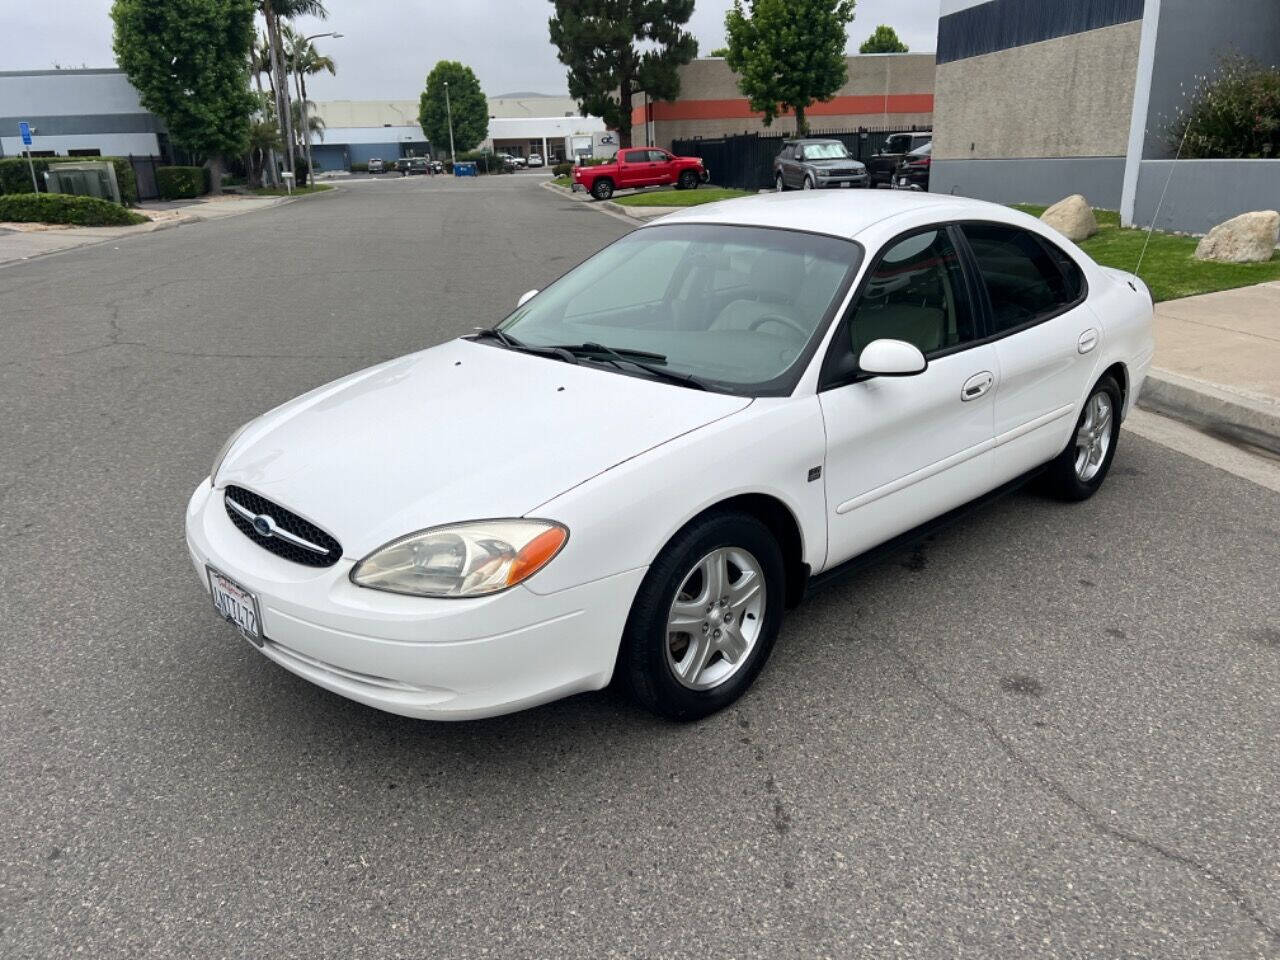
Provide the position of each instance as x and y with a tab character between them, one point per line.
86	152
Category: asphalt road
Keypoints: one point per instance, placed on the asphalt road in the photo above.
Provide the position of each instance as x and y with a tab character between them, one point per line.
1050	731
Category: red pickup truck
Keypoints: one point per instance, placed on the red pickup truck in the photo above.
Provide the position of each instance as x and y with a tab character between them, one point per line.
640	167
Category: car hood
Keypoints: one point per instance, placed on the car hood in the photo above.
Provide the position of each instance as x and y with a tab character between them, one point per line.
463	431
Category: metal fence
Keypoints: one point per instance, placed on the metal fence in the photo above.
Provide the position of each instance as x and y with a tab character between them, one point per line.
144	171
745	160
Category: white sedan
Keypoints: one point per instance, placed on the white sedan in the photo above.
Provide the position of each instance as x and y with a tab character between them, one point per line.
638	470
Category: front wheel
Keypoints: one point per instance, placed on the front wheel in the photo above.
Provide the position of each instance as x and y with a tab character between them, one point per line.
705	617
808	183
688	180
602	189
1079	470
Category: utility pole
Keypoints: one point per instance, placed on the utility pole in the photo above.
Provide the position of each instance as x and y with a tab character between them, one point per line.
449	109
306	111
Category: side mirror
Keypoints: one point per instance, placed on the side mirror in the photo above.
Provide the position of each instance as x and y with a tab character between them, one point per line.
525	298
892	358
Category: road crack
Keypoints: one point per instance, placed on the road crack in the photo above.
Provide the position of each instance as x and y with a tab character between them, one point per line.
1153	847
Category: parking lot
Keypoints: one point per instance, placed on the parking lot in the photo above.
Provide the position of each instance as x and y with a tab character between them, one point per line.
1047	731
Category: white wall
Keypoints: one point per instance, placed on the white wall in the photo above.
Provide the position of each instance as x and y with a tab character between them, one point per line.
111	144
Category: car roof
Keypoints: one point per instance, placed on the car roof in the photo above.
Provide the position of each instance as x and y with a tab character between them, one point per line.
839	213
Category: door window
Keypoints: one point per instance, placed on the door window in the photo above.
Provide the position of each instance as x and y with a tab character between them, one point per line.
1024	282
898	144
635	156
658	156
915	293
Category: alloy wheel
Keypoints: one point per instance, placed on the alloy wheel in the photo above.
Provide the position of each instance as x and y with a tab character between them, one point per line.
1093	439
716	618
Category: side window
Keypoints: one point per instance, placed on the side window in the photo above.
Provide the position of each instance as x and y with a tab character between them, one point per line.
789	152
915	293
897	144
635	156
658	156
1023	281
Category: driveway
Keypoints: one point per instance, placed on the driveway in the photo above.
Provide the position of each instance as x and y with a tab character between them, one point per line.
1049	731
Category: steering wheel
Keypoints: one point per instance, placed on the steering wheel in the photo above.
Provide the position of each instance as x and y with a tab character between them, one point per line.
777	318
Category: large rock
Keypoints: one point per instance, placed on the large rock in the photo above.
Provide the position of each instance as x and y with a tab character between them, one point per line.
1073	218
1249	238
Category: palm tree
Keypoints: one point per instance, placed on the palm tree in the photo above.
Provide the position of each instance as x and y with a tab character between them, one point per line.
260	63
264	141
272	12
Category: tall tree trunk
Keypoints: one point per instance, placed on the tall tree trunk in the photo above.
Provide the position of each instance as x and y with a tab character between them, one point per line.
624	113
802	124
275	173
280	83
306	127
214	165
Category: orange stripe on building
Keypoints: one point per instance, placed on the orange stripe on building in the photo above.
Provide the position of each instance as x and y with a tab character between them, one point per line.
739	109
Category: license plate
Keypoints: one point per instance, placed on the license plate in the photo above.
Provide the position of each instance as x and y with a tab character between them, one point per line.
902	181
844	184
236	605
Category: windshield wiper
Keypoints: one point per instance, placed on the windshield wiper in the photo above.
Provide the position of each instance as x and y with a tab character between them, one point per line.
511	343
643	359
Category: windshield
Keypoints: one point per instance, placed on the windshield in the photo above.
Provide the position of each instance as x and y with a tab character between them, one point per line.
825	151
736	307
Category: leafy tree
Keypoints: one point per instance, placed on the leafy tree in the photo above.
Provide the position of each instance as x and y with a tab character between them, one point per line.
719	52
189	60
788	53
273	11
467	101
616	48
884	40
1233	111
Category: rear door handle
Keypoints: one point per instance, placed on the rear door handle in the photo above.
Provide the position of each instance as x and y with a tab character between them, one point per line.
977	385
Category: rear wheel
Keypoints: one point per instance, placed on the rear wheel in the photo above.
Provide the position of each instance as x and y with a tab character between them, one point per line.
778	185
688	180
1080	469
602	189
705	618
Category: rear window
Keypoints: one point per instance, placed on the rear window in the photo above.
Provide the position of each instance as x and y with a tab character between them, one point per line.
1024	281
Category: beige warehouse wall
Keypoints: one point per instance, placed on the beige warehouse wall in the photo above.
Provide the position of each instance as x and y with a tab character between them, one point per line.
1067	97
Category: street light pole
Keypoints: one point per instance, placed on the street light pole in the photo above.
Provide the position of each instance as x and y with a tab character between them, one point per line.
306	110
449	109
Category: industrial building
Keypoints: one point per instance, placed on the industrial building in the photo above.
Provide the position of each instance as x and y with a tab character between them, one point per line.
883	90
1039	100
77	113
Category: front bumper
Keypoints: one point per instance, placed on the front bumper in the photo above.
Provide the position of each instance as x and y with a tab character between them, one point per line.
418	657
835	183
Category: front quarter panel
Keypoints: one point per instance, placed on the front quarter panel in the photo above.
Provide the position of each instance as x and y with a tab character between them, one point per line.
622	518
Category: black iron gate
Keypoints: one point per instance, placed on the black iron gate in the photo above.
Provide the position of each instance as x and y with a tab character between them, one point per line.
745	160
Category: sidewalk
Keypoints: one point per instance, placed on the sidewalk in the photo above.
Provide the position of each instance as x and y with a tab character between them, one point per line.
1217	363
22	241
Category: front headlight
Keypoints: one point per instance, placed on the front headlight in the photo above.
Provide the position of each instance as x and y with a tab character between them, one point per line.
222	454
462	559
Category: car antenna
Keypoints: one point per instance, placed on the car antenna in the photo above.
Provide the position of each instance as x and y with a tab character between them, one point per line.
1155	219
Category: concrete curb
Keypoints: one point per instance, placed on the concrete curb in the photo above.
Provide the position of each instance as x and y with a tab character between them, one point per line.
638	213
1251	418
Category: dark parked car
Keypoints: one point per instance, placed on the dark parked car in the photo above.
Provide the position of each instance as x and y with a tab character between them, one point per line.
884	165
913	172
402	166
816	164
419	165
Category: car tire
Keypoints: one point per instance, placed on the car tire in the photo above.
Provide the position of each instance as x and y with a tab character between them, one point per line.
1078	472
808	183
602	189
779	185
688	180
654	661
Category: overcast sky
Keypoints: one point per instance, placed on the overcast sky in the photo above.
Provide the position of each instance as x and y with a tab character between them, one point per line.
387	48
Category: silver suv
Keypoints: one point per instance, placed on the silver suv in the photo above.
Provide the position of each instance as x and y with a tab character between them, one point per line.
815	165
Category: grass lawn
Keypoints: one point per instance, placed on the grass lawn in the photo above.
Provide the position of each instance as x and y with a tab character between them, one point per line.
1170	268
680	198
282	192
563	181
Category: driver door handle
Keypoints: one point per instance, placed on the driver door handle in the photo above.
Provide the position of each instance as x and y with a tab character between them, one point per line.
977	385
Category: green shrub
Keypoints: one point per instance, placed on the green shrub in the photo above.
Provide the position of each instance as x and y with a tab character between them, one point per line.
15	175
562	170
359	168
64	208
181	183
1233	113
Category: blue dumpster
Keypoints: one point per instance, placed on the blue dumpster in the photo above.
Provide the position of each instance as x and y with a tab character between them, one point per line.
464	169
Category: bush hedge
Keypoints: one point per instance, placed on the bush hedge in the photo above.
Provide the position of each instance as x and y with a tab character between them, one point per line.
15	176
1234	112
562	170
64	208
181	183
